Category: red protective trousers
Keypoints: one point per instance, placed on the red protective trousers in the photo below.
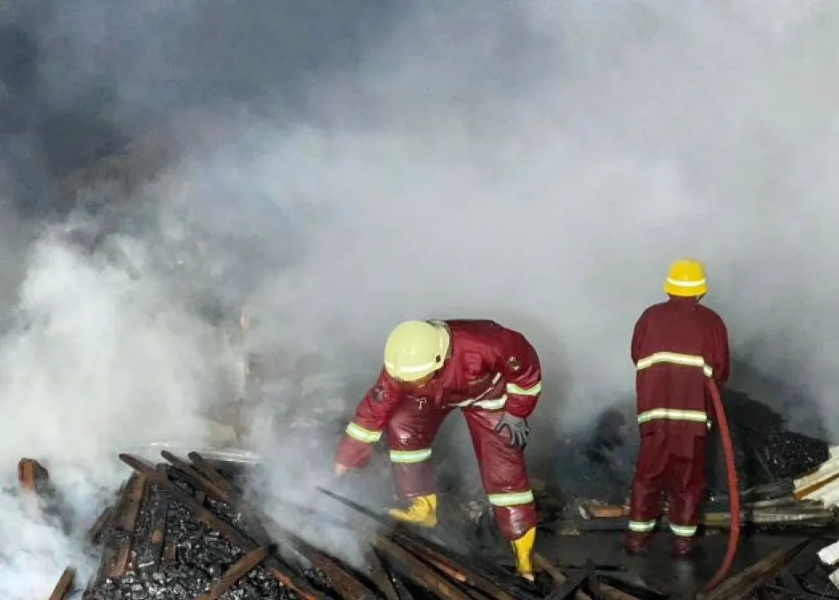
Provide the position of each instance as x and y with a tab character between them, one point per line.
410	434
673	463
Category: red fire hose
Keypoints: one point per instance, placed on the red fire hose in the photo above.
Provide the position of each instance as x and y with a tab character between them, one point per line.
733	490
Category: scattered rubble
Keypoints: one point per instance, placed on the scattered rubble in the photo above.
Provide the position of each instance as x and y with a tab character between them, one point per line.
180	530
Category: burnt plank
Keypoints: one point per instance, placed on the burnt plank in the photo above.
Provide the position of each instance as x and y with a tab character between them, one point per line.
476	577
32	477
563	587
252	524
227	531
417	571
745	583
204	466
379	575
94	534
338	578
232	576
124	528
451	566
114	536
149	552
196	479
64	584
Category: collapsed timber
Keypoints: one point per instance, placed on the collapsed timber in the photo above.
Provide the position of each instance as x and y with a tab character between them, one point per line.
182	530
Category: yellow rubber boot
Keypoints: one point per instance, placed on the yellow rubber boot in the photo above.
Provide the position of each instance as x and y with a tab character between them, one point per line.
523	551
422	512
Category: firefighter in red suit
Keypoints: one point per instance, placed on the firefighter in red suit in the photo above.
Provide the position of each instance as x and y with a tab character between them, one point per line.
676	346
492	374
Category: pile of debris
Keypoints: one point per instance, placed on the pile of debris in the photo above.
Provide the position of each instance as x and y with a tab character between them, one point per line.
181	530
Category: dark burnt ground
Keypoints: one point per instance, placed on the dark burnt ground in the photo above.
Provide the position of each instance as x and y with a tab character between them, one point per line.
182	531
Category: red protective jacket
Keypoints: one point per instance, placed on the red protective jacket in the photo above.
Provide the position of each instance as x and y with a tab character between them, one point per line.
489	366
676	345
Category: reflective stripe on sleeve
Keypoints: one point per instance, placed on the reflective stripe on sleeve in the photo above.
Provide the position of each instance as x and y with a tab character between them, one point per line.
642	526
512	388
410	456
673	358
683	530
672	414
511	499
357	432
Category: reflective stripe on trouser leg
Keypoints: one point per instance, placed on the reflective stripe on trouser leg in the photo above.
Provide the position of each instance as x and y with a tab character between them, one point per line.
683	530
503	474
410	434
642	526
686	479
510	499
515	513
648	483
406	457
413	472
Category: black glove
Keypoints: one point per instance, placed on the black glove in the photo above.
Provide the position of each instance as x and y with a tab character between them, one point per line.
518	428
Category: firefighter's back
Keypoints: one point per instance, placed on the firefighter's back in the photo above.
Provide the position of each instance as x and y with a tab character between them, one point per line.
671	348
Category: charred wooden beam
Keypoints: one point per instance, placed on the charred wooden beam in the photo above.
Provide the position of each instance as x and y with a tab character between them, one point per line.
149	552
204	466
253	525
380	576
344	583
744	584
231	577
33	477
339	579
120	530
227	531
475	576
196	479
61	589
94	534
124	526
560	580
446	563
793	515
417	571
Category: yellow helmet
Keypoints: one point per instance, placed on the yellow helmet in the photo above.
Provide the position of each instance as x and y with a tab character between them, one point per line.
686	277
416	349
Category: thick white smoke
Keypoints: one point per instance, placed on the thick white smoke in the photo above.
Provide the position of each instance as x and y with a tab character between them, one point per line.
535	162
94	363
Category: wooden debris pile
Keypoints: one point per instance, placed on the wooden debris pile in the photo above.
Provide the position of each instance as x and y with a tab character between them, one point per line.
820	486
781	504
181	530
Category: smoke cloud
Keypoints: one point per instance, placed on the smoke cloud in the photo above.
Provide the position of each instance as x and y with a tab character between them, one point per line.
346	167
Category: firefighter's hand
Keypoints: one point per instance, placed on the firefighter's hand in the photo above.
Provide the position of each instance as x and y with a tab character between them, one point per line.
518	428
340	470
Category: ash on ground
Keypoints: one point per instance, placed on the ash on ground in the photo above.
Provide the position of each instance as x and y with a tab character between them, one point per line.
201	558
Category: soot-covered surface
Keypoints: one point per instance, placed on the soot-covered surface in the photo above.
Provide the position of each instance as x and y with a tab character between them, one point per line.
656	570
200	559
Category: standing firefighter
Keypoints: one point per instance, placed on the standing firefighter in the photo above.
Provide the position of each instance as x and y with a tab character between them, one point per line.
431	368
676	345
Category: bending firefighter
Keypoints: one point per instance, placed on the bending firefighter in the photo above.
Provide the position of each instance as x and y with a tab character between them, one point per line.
431	368
676	345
